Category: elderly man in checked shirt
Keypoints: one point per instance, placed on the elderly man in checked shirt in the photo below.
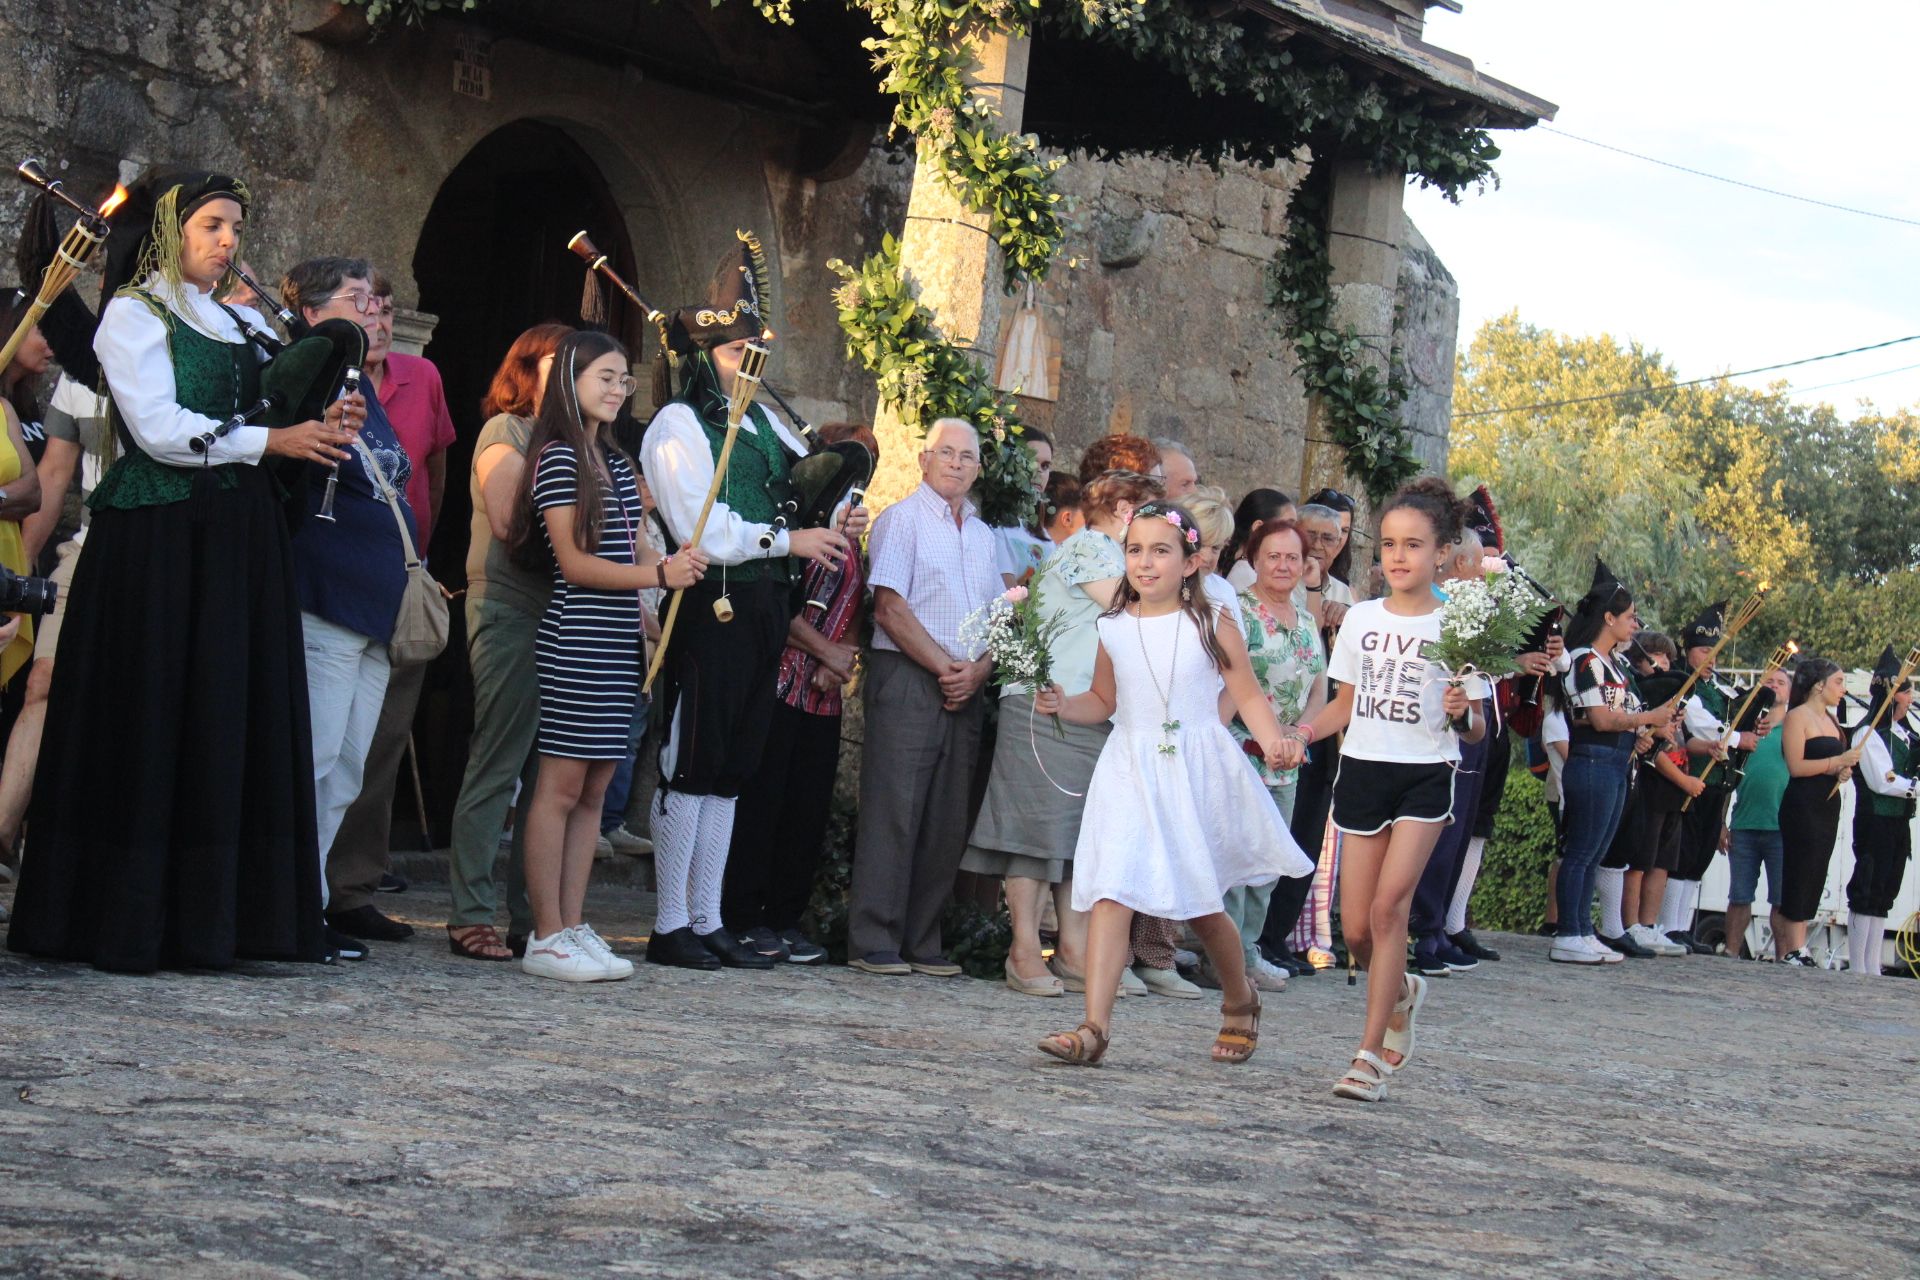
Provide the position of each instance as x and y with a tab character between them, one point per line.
931	565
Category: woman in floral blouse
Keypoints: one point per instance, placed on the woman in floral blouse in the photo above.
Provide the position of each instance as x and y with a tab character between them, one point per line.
1290	664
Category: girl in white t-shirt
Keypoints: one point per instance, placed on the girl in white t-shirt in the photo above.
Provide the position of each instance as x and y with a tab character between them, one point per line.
1394	790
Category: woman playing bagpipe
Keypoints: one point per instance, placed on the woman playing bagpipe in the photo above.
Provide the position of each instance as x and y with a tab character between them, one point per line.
1886	783
173	814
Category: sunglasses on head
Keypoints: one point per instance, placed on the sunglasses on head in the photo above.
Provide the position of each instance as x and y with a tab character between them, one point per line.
1333	498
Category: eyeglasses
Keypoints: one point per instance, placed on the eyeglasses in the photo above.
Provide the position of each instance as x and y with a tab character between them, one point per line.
624	381
365	303
1323	538
949	454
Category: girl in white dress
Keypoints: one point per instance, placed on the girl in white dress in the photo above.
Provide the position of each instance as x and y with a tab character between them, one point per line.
1174	818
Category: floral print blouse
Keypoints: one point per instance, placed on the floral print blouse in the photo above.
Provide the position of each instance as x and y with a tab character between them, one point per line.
1286	661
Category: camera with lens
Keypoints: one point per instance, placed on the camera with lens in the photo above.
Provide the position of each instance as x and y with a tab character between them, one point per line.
20	594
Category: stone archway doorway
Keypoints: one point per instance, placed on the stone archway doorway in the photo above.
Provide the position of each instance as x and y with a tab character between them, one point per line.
491	262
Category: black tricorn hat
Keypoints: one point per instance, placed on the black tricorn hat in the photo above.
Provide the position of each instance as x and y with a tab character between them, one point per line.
1602	591
1704	631
738	303
1485	522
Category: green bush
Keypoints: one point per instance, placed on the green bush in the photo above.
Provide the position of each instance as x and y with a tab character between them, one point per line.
1511	894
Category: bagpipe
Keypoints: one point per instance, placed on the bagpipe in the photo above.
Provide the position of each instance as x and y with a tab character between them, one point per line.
1520	698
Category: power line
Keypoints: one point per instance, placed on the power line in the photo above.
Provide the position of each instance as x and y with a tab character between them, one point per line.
1884	373
1733	182
1691	382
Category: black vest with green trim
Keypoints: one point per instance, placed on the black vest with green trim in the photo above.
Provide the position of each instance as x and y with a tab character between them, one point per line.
210	377
1720	707
758	468
1906	764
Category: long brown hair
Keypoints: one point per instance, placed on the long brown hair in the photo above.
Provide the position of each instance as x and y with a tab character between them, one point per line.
517	379
1193	600
560	423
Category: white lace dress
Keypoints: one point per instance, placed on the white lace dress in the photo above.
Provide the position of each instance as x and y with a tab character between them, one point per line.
1168	833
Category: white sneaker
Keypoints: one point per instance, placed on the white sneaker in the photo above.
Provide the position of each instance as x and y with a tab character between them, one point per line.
1130	985
1167	982
1572	951
1266	976
597	947
564	957
1606	953
1655	941
626	842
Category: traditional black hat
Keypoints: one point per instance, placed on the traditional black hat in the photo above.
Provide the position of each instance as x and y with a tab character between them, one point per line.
1705	630
737	306
1887	667
1485	522
147	236
1603	588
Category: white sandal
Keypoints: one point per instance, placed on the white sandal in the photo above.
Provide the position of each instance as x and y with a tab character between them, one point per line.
1401	1042
1358	1085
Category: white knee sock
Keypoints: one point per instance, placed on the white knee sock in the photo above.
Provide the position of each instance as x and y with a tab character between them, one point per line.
1876	939
674	834
710	861
1608	882
1676	909
1463	892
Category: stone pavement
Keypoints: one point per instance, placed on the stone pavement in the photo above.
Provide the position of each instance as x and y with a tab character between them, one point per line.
423	1115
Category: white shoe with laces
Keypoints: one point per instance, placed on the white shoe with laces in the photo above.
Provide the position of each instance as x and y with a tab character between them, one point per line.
1606	953
564	957
616	967
1266	976
1655	941
1571	951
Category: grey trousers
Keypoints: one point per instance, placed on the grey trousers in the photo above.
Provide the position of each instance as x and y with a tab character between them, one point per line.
916	771
360	849
506	718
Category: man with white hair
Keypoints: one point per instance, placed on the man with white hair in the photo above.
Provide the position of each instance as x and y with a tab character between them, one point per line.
931	565
1177	464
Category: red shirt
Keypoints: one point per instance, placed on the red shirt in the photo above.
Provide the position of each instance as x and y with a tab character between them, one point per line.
416	405
840	592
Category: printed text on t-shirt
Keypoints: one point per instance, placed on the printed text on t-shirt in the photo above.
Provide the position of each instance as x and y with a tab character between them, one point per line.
1393	672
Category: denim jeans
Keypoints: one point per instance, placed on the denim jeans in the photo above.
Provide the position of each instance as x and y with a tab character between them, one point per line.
346	687
1594	794
1747	852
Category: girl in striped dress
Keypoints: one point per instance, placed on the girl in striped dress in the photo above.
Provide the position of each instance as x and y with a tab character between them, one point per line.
579	514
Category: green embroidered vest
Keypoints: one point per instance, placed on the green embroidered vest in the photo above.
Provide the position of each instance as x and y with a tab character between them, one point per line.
1900	747
1720	707
756	469
210	377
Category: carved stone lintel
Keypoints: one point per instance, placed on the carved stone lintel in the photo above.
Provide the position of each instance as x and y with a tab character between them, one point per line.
329	23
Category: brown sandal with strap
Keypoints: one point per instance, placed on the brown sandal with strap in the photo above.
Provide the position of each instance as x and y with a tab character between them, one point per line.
1236	1044
478	942
1082	1050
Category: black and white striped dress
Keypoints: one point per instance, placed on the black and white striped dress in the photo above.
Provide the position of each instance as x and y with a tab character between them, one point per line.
588	652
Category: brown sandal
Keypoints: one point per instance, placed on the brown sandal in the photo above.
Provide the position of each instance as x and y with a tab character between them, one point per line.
1079	1054
478	942
1236	1044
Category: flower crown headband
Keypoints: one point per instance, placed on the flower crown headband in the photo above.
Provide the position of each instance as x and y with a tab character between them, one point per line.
1172	515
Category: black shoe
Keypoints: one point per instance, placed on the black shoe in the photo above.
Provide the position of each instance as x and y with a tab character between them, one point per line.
1685	938
344	947
727	949
1547	931
1455	959
681	949
1471	945
517	943
1429	964
391	883
764	941
802	949
367	922
1626	946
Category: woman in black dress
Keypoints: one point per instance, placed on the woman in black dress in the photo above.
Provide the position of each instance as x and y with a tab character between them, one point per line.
1817	756
172	822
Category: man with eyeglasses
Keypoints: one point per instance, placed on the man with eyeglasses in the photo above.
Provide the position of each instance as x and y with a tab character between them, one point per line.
932	565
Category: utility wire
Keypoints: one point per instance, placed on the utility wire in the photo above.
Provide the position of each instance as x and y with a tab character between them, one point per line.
1884	373
1734	182
1691	382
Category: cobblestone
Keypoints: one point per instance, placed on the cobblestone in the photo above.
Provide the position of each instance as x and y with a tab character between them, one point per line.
423	1115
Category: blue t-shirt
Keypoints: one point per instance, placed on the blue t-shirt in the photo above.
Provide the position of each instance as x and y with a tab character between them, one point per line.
353	571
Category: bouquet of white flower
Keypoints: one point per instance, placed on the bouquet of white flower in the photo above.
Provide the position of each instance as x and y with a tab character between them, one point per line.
1018	636
1483	623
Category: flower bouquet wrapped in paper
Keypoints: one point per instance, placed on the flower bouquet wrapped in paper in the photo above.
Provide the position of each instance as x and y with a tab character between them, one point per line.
1483	624
1019	635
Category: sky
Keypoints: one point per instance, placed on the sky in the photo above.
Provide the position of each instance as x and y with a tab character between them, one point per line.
1715	277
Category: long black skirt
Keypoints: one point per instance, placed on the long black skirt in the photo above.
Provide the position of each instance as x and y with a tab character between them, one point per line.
172	822
715	697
